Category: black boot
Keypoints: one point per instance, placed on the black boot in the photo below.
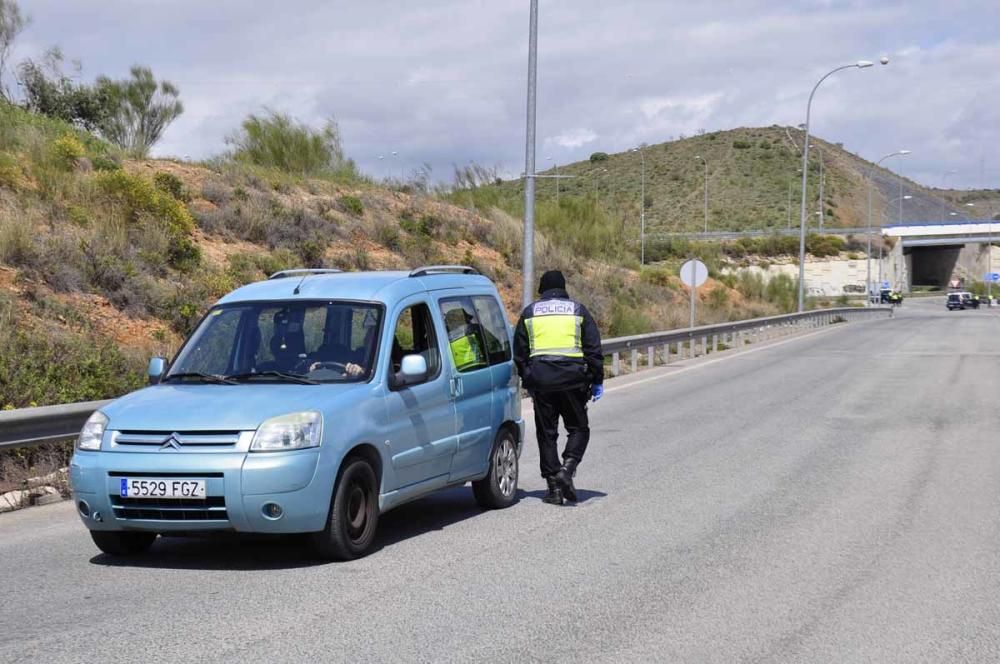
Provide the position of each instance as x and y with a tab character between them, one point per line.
565	479
555	495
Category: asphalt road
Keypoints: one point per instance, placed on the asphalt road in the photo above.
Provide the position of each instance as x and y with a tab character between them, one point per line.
830	498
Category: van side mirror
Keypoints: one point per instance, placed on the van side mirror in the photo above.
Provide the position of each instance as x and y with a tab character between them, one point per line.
157	367
413	369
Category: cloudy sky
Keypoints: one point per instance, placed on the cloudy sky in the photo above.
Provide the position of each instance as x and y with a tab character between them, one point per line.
443	81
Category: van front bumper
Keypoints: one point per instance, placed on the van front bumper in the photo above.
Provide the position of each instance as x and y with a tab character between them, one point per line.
239	486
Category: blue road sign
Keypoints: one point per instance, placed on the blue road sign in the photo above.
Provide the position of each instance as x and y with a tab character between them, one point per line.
992	276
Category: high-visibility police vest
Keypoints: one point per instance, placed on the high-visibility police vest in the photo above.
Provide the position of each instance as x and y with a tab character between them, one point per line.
554	328
465	352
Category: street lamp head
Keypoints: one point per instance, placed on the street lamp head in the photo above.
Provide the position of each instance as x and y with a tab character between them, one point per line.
970	205
904	152
884	59
861	64
907	197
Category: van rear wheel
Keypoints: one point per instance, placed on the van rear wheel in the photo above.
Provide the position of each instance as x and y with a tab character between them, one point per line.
499	488
353	520
119	543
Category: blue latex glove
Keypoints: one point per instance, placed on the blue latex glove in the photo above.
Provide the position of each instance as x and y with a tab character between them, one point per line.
597	392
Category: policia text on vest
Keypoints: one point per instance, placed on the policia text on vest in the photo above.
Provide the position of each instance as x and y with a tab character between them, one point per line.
557	349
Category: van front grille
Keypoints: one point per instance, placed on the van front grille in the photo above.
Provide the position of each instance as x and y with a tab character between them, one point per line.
212	508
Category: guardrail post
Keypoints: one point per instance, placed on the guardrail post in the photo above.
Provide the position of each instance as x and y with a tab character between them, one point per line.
635	360
666	353
715	343
704	345
615	368
651	356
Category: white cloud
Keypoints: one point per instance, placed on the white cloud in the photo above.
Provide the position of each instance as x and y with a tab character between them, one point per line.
443	81
572	138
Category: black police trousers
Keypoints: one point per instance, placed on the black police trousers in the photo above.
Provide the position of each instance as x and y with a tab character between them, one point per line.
571	406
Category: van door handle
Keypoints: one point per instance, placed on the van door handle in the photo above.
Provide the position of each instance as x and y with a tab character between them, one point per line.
456	387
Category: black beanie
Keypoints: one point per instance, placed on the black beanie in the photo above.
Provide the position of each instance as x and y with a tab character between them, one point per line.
552	279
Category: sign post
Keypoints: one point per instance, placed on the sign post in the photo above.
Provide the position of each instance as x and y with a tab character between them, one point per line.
693	274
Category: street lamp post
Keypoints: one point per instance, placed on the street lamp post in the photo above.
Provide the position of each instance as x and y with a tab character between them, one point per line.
861	64
822	181
642	206
944	182
868	255
706	189
528	254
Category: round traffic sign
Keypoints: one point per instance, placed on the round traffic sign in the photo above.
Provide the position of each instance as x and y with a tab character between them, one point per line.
693	273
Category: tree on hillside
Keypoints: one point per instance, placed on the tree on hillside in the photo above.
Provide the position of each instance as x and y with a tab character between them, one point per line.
12	22
140	109
49	91
278	141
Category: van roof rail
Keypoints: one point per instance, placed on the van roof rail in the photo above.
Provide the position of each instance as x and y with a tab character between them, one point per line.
428	270
303	272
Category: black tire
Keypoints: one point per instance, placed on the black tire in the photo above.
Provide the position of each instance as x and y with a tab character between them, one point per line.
499	488
353	520
119	543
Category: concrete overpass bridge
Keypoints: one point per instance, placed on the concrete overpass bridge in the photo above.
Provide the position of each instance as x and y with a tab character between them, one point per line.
937	253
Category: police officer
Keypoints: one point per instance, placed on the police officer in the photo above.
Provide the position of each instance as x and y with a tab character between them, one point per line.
557	349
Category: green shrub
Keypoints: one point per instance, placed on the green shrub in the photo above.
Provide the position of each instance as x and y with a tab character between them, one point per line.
352	205
598	156
103	162
742	145
142	199
171	184
718	297
43	369
278	141
312	252
67	150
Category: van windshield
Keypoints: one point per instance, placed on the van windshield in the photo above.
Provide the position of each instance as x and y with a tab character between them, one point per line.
302	342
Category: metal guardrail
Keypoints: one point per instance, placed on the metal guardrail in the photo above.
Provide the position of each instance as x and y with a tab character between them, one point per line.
657	345
27	427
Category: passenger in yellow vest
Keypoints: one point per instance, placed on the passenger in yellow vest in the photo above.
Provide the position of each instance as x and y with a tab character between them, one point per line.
466	350
557	350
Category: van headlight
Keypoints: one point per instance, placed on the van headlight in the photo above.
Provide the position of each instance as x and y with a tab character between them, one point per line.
92	432
294	431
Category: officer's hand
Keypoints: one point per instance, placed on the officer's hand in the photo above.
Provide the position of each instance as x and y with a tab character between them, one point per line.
597	392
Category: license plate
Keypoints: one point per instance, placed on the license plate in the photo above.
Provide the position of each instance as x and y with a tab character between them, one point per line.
167	487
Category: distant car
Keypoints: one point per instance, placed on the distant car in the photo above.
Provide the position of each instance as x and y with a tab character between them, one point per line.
962	300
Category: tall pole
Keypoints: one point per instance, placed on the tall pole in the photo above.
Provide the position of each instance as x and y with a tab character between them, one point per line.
705	161
819	198
805	173
642	206
944	184
528	253
788	206
868	255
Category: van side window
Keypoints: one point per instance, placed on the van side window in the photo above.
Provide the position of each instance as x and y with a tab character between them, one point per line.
465	336
414	335
494	329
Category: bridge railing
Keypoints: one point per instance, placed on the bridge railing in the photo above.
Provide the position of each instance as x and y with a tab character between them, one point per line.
27	427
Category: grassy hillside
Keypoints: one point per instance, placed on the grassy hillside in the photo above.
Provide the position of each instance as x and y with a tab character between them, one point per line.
105	261
753	175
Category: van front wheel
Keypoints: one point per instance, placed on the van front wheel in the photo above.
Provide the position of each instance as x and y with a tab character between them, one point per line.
350	527
499	488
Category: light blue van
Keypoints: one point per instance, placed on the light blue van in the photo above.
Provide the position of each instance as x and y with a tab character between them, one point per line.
311	403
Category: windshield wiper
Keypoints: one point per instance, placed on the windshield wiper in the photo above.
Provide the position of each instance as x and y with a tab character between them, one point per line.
280	375
204	377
